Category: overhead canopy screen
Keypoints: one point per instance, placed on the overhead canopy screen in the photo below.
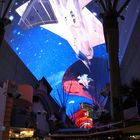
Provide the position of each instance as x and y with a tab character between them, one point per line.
37	12
62	41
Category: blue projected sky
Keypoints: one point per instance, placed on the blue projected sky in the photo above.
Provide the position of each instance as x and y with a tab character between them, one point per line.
43	52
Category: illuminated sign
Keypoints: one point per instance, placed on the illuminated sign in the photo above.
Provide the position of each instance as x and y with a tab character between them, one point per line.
21	133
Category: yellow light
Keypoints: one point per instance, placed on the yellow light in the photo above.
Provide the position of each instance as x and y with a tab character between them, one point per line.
28	133
23	133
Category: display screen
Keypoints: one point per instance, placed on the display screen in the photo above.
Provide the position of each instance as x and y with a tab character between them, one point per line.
64	42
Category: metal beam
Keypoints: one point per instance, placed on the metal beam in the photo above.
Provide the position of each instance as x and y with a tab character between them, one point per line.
7	8
102	4
115	4
108	4
1	8
123	7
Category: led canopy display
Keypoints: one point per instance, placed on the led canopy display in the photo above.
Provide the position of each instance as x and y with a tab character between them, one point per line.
62	41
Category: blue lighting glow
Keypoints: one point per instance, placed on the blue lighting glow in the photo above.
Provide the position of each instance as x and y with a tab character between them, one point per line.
43	52
11	17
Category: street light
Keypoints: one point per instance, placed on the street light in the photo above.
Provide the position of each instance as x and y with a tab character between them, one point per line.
110	15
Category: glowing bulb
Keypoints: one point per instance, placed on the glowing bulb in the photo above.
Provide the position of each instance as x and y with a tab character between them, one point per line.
94	13
11	17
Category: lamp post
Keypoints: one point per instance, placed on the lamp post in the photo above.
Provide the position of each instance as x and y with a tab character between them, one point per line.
110	15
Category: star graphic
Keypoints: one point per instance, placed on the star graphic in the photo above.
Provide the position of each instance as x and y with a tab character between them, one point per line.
84	80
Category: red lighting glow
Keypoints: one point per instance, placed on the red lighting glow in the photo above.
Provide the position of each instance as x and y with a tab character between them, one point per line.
74	88
83	120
